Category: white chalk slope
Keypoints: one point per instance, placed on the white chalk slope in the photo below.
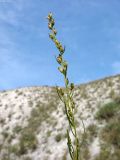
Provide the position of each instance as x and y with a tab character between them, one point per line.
18	106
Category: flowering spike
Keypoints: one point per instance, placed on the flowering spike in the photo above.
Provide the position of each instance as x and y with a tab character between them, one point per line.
65	95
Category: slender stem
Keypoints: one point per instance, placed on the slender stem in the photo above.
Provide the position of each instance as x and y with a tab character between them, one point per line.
66	95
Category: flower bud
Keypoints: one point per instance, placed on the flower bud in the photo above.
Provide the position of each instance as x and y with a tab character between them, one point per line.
49	26
58	46
73	105
60	91
67	81
72	86
59	59
61	69
52	22
61	49
65	64
54	31
49	17
51	36
57	42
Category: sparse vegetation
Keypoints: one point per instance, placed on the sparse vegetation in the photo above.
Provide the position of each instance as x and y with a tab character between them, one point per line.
92	129
107	111
40	114
111	133
85	153
30	103
28	140
19	93
84	94
104	154
5	134
2	121
27	158
108	153
17	129
112	94
13	149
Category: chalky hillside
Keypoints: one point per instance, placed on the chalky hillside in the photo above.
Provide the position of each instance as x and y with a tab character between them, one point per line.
33	124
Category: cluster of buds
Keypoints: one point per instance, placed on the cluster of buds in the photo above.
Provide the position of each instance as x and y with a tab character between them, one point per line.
63	68
52	35
63	64
60	90
51	21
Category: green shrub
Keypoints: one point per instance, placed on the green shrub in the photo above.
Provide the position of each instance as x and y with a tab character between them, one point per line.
108	153
112	93
58	138
85	154
5	134
27	158
92	129
117	99
10	138
104	155
19	93
107	111
17	129
6	158
14	149
28	141
39	114
2	121
111	133
116	154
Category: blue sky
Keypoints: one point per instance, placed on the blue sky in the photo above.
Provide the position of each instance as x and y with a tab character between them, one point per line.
90	30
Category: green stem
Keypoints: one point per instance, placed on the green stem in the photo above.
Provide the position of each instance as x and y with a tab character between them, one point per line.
65	96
